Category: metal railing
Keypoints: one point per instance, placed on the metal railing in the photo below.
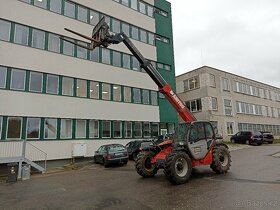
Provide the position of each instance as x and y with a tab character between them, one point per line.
36	155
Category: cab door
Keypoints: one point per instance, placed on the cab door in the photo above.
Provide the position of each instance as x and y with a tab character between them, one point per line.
197	141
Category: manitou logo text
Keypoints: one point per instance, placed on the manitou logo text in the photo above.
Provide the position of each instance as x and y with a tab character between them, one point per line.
175	97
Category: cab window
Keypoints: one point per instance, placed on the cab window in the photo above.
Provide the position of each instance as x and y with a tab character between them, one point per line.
197	132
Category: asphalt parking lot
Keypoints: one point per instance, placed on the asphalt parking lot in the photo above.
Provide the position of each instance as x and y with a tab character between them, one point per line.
252	183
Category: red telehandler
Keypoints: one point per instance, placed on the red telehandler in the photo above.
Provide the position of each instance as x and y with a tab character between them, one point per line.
194	143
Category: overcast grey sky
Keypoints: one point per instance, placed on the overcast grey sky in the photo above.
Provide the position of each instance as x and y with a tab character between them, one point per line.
238	36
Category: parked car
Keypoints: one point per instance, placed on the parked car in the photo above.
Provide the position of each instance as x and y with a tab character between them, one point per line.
111	153
134	147
267	137
247	137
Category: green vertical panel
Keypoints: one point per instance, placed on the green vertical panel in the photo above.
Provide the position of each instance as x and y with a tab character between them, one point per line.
100	128
32	2
44	83
42	131
47	40
8	78
12	34
23	128
61	46
60	85
88	89
142	128
87	129
4	127
123	133
88	15
48	5
75	51
112	92
150	98
122	93
112	129
58	128
141	96
100	90
62	7
132	95
133	128
100	54
76	11
74	128
30	37
27	80
75	88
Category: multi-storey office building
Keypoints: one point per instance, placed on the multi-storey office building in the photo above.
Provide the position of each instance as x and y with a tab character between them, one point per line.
231	102
56	94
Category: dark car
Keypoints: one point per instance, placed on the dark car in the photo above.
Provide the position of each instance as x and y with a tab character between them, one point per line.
267	136
247	137
110	154
134	147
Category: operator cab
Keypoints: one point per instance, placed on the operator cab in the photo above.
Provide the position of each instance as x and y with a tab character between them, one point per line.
197	136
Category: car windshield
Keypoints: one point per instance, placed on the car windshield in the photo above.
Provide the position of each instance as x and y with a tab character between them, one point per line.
113	148
181	132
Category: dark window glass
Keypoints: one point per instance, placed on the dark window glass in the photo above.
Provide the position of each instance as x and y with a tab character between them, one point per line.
106	91
93	129
41	3
135	33
21	34
18	79
116	26
143	36
127	129
14	128
68	48
55	6
146	97
3	73
137	129
117	129
150	11
52	84
33	128
151	38
106	131
147	130
81	52
94	90
155	129
81	88
116	59
127	94
142	7
69	9
1	120
54	43
35	82
135	64
94	18
126	61
82	14
50	127
67	86
125	29
154	98
94	54
38	39
106	58
117	93
5	28
136	95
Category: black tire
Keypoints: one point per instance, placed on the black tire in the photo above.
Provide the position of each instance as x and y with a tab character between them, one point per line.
134	156
259	144
270	142
221	160
143	164
105	163
178	167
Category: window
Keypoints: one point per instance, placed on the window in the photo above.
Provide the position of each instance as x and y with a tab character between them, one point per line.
117	93
230	128
33	128
116	59
167	67
106	129
3	74
55	6
81	88
52	84
125	2
125	29
209	131
150	11
35	84
14	128
134	33
135	64
138	130
69	9
41	3
93	129
5	28
194	105
142	7
134	4
50	127
68	48
143	36
94	89
27	1
191	83
66	129
136	95
160	65
151	38
155	129
67	86
106	58
225	84
93	18
21	34
81	52
128	129
116	26
147	129
117	129
18	79
214	103
154	98
81	128
126	61
1	120
146	96
54	43
228	107
94	55
106	91
197	132
82	14
212	80
127	94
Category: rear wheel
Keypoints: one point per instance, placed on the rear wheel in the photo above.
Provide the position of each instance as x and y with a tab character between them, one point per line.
178	167
221	159
143	164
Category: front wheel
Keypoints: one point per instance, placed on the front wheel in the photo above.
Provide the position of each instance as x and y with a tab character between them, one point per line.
143	164
178	167
221	160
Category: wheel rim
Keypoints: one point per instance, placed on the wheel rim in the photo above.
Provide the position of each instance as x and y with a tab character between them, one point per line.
181	167
223	158
148	165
